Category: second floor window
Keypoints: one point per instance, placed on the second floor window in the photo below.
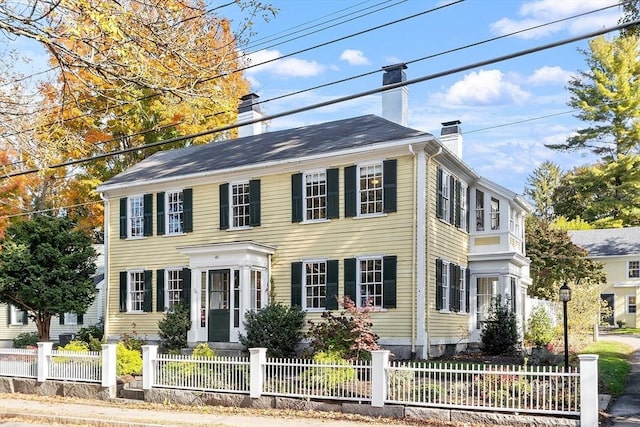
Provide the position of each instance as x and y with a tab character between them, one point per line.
495	214
174	212
240	204
315	196
634	269
136	216
479	210
370	189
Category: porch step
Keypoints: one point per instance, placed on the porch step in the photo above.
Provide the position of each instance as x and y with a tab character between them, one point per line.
227	349
132	394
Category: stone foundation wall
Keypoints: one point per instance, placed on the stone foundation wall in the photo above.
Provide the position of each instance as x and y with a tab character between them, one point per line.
185	397
56	388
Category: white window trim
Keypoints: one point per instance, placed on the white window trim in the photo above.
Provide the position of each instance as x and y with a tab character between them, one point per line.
304	195
359	167
264	291
464	206
129	290
231	219
166	212
494	214
463	289
129	218
13	320
446	287
626	304
68	321
304	284
629	269
445	191
167	270
359	284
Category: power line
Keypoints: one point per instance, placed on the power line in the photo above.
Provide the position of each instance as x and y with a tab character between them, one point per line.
340	99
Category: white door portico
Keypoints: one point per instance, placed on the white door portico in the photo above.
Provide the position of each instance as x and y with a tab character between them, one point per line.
227	280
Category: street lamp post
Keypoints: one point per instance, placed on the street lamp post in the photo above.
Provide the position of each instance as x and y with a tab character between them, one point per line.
565	296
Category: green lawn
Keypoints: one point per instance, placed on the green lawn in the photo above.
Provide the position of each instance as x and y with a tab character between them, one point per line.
624	331
613	365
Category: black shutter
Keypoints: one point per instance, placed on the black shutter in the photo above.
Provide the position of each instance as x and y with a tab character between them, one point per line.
186	286
333	193
350	200
8	314
160	213
148	214
468	208
187	210
296	197
123	218
25	317
389	269
148	292
61	317
80	318
453	288
123	291
452	200
296	284
350	279
160	290
439	289
254	202
332	285
224	206
389	185
439	206
458	213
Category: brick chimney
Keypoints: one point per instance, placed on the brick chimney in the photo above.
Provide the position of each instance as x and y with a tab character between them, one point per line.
451	137
249	110
395	101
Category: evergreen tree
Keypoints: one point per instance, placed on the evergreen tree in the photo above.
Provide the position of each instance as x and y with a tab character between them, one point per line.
541	185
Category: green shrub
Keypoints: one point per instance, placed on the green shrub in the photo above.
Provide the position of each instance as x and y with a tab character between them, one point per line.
128	361
202	350
539	328
276	327
500	331
75	345
132	341
329	378
26	339
96	331
173	327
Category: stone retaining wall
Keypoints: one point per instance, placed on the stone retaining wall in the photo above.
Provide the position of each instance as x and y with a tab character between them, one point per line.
56	388
192	398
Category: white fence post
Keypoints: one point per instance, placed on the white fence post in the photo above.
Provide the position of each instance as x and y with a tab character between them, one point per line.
149	355
379	365
257	362
44	353
108	365
588	389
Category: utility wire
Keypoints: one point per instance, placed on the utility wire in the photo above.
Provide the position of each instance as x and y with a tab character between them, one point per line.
341	99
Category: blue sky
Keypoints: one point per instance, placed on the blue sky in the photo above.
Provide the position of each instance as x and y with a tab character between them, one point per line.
502	106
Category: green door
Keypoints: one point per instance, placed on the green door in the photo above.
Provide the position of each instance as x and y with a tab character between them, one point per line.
219	308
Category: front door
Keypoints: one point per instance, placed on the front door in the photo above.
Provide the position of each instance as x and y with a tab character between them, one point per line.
608	298
219	307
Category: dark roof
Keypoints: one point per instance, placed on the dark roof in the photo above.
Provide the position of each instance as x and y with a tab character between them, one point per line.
280	145
608	241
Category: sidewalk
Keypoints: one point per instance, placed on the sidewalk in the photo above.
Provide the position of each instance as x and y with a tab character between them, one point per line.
625	409
80	412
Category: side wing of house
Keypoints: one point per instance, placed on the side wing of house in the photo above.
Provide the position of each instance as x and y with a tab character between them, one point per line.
622	289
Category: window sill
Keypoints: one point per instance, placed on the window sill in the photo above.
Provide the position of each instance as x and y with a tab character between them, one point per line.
173	234
136	312
136	238
315	221
376	215
248	227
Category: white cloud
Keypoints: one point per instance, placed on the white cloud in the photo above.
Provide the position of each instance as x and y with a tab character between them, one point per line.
537	12
485	87
546	75
354	57
285	67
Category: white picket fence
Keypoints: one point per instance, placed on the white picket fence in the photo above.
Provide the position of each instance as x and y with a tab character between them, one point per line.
18	362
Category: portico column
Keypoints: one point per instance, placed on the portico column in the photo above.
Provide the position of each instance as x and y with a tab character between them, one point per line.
192	333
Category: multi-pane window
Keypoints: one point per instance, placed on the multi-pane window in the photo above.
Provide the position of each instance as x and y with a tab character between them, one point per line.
444	195
370	189
479	210
240	204
631	304
370	284
256	289
16	316
495	214
463	207
136	216
463	290
175	212
514	223
70	318
445	285
486	291
634	269
135	287
315	284
315	197
174	287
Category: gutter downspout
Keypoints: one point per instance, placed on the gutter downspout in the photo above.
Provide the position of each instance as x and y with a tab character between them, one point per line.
106	266
427	250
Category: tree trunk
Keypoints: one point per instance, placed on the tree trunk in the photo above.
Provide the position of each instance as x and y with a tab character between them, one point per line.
43	323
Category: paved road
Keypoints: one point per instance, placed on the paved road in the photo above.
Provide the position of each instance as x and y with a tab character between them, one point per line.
625	409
